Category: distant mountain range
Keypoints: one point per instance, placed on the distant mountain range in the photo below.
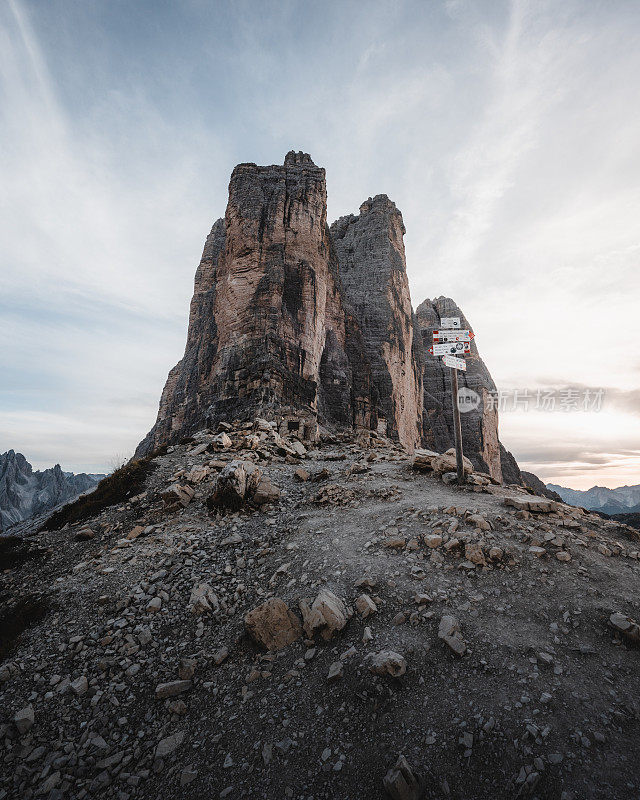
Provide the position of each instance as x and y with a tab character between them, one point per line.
25	492
623	500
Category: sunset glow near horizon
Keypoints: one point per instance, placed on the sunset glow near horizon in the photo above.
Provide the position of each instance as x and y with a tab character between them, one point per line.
506	133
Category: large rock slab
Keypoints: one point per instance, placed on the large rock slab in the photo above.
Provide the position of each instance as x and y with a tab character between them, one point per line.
446	462
540	505
273	625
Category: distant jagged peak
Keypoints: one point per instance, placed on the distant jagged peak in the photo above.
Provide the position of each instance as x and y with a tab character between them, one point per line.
25	492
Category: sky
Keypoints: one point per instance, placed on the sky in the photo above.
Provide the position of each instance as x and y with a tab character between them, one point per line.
506	132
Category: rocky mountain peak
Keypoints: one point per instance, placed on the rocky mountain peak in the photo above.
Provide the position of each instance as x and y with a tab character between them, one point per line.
25	492
380	203
309	325
299	159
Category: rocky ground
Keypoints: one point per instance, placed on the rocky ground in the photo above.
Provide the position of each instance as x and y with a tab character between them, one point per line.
434	641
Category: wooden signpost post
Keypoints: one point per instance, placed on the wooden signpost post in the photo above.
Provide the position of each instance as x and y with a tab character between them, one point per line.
451	343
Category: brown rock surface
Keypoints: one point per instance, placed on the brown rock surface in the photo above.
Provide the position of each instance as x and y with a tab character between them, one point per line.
273	625
290	319
268	330
373	271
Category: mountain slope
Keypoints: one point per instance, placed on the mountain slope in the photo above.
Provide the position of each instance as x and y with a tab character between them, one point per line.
610	501
145	677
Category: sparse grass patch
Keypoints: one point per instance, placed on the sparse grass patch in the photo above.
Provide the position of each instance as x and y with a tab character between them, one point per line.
118	487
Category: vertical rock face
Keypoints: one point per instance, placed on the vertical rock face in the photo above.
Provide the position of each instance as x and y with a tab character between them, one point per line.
479	424
268	331
188	391
370	251
291	319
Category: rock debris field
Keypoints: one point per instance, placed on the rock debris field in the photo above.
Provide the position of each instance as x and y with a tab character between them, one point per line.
273	619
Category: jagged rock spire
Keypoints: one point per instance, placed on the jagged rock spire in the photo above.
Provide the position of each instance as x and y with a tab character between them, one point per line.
292	319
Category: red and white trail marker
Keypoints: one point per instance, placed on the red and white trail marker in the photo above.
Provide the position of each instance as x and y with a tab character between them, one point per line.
453	335
454	362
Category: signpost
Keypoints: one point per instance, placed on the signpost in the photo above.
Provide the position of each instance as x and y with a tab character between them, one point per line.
448	350
454	362
453	336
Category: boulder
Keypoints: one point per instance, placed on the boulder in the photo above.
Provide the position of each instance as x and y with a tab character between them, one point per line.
481	522
164	690
328	614
198	474
203	599
400	783
422	460
177	495
265	492
273	625
365	606
167	746
540	505
299	449
473	553
387	662
625	626
222	441
24	720
240	483
230	488
449	632
446	462
8	671
135	532
80	686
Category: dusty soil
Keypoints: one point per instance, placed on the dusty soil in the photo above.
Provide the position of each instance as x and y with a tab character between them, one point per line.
544	702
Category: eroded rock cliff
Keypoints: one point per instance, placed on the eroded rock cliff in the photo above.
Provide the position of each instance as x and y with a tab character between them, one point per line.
269	332
370	250
298	322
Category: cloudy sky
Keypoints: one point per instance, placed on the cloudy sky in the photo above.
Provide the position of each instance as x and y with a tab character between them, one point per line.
506	132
